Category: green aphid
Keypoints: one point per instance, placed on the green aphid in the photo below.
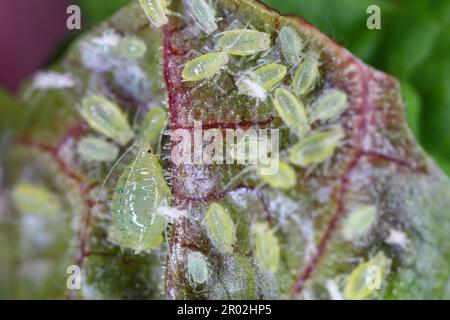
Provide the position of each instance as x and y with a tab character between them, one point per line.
292	111
243	42
204	15
306	75
247	150
106	117
316	148
221	228
130	47
30	198
367	277
139	192
265	77
267	248
358	222
291	45
150	130
197	268
328	106
95	149
283	178
204	66
156	11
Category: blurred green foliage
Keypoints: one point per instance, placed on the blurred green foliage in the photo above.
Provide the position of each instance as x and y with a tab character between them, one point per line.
413	45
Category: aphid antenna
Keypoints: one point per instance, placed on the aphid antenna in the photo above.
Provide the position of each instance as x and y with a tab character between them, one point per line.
247	169
111	171
267	52
310	169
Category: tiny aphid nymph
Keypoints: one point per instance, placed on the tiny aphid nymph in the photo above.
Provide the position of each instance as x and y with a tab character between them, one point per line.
267	248
284	178
204	14
265	77
367	278
306	75
328	106
358	222
204	66
151	128
291	45
131	48
106	117
316	148
221	228
34	199
243	42
96	149
292	111
156	11
197	268
139	192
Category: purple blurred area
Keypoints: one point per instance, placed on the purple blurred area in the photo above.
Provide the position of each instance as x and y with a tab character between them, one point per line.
30	32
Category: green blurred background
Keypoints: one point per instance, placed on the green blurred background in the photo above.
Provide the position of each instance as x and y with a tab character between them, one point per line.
413	45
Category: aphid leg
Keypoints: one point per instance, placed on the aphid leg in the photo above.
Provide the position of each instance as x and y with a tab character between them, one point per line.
265	53
238	176
207	49
158	148
311	168
200	85
191	53
218	87
229	71
176	14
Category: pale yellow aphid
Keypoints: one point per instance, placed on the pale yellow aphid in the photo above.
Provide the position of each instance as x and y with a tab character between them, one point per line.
267	248
130	47
265	77
30	198
291	45
306	75
156	11
96	149
292	111
367	277
243	42
106	117
328	106
358	222
283	178
151	127
203	14
316	148
221	228
204	66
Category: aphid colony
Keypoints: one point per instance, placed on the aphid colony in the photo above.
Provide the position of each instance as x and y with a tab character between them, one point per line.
141	189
